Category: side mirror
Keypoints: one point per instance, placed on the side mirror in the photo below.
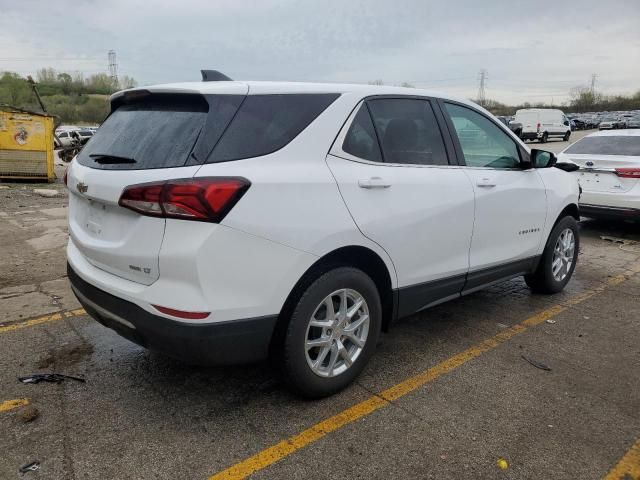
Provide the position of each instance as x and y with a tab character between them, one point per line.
542	159
567	166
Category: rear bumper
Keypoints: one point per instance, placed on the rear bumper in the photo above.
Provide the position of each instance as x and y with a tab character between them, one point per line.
230	342
617	213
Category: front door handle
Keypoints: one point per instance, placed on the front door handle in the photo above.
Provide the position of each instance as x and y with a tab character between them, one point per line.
486	183
373	182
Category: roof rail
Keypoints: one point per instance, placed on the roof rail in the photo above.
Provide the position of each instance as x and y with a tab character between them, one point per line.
214	76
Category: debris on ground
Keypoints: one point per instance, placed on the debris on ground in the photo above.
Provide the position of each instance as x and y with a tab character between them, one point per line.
30	467
49	377
46	192
65	356
502	464
551	321
537	364
29	414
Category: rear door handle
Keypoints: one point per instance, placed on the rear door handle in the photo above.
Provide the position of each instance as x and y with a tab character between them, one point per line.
373	182
486	182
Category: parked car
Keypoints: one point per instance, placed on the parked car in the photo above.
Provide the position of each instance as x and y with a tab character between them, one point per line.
579	124
633	122
609	173
64	138
611	123
85	134
514	126
189	239
543	123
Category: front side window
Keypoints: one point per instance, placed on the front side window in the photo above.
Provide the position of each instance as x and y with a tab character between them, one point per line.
408	131
483	143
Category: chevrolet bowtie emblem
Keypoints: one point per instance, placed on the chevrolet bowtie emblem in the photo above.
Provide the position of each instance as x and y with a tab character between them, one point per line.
82	187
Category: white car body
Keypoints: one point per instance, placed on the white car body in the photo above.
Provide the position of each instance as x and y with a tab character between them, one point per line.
435	232
609	177
542	123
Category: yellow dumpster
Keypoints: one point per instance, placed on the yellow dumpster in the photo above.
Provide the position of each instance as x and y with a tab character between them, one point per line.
26	144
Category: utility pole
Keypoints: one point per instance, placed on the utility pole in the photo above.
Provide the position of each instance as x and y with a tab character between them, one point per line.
593	84
113	68
482	77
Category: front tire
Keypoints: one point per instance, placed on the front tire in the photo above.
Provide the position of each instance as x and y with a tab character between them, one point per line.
558	259
332	332
545	137
566	137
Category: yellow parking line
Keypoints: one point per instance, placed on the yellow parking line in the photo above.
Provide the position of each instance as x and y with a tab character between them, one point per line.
277	452
628	468
11	404
40	320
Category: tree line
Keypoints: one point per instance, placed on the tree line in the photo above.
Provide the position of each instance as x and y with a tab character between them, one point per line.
582	100
73	98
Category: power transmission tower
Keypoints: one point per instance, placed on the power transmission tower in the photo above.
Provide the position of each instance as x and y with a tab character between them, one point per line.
482	77
593	84
113	68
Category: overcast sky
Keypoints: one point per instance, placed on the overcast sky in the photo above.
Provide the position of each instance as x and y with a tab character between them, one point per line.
533	50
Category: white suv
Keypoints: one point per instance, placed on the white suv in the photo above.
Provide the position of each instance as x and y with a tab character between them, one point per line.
225	222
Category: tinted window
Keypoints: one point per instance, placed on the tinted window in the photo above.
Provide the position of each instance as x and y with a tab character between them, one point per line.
266	123
361	140
157	131
408	131
483	143
606	145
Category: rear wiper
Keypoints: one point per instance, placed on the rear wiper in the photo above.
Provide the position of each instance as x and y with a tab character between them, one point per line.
107	158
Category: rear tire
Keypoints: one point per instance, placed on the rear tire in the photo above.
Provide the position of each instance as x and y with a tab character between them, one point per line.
545	137
566	137
558	258
326	313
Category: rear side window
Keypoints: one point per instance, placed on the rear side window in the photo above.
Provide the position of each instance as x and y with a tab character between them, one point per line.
157	131
361	140
606	145
408	131
266	123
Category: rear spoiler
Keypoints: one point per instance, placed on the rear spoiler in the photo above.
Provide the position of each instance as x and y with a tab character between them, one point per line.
214	76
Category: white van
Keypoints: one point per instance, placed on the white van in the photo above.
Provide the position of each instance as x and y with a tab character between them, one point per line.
543	123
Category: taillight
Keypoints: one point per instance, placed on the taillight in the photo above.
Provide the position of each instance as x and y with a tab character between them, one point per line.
64	179
538	126
206	199
628	172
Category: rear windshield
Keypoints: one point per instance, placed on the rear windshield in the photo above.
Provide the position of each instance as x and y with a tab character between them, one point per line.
157	131
606	145
163	130
266	123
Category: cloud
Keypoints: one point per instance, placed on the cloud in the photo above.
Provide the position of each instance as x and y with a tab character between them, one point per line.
530	56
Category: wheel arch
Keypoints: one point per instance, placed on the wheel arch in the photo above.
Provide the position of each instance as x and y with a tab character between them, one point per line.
570	210
356	256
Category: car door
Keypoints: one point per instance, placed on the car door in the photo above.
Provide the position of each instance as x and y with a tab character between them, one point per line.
510	202
391	163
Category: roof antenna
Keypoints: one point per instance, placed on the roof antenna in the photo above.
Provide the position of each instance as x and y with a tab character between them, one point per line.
214	76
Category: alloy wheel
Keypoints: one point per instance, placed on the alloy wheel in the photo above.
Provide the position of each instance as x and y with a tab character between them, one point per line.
563	255
337	332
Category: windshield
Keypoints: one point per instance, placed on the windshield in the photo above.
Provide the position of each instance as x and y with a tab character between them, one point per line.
606	145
